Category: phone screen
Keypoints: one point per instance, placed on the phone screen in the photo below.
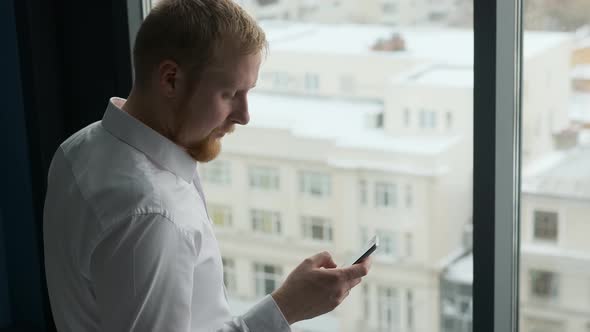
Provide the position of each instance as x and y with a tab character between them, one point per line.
368	249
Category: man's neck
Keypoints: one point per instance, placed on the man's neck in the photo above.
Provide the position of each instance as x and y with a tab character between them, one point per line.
141	107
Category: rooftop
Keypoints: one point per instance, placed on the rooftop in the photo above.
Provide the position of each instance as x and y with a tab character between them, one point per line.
339	120
461	270
446	45
563	174
438	75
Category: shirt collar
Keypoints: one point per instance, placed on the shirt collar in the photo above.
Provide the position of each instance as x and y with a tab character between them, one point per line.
158	148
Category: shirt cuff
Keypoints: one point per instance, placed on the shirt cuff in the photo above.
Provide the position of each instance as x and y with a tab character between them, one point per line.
266	316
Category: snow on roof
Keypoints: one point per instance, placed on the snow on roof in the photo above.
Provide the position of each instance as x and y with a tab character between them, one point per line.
546	251
563	174
438	75
447	45
342	121
461	271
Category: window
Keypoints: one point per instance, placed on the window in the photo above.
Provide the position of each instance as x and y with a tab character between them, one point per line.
229	274
409	196
317	229
388	245
379	120
423	121
221	215
389	7
385	194
544	284
457	312
266	178
409	310
348	84
315	184
363	190
267	278
366	301
407	117
311	82
389	308
432	119
267	2
217	172
449	120
267	222
554	196
315	113
545	226
280	80
409	245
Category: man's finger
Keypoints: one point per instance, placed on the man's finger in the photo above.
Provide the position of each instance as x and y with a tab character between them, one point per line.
355	282
322	259
357	270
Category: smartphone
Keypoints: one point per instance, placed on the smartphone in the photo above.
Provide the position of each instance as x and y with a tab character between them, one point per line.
368	249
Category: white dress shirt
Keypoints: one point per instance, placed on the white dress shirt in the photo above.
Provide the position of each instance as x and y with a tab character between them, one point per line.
128	242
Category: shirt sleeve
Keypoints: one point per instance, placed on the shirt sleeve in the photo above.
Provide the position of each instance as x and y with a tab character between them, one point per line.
142	273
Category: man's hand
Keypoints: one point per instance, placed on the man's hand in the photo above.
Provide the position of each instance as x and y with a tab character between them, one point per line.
317	286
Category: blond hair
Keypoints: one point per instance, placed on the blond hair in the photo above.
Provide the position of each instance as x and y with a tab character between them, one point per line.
190	33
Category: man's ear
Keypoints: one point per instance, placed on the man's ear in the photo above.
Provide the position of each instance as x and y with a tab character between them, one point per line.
168	75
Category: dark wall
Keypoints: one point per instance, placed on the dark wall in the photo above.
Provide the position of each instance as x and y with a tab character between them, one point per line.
62	60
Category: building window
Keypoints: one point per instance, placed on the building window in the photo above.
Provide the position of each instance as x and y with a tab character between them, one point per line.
449	120
366	301
229	274
409	310
407	117
280	80
221	215
432	119
315	184
422	119
409	196
267	222
457	312
379	120
267	2
348	84
318	229
544	284
385	194
409	245
266	178
267	278
545	226
387	244
389	8
363	191
311	82
217	172
389	309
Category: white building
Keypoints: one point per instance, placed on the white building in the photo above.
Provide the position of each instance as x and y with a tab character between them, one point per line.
555	268
391	12
346	141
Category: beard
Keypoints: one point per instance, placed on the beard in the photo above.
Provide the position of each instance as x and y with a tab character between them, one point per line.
208	148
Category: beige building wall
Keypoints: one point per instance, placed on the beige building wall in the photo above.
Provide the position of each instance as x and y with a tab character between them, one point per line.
569	258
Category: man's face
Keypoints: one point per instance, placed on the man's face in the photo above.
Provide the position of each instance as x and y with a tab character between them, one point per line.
217	102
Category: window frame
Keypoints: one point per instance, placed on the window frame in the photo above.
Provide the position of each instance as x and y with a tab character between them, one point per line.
496	182
496	176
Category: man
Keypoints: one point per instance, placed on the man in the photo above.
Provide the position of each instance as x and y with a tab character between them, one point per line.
128	242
